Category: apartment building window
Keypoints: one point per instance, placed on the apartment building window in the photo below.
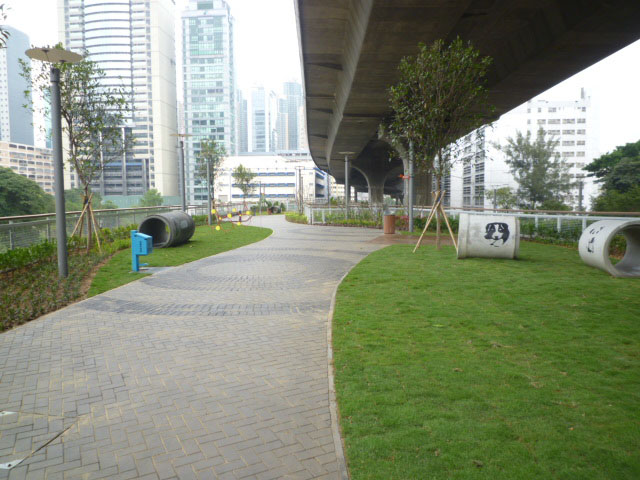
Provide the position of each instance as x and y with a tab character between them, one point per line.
568	154
581	132
553	132
579	154
582	120
541	121
569	132
552	109
580	142
554	121
568	120
568	143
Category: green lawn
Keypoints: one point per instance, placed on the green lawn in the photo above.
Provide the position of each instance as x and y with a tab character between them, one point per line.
492	369
205	242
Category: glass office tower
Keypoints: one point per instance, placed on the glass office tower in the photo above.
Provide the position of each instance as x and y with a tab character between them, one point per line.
209	84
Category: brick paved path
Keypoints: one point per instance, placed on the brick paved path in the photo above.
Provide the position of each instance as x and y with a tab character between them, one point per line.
216	369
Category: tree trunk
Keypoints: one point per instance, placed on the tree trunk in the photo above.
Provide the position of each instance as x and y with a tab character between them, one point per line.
89	218
438	219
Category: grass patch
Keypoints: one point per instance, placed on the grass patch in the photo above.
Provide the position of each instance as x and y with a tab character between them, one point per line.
205	242
478	368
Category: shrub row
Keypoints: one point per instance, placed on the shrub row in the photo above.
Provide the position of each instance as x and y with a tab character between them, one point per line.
296	217
29	282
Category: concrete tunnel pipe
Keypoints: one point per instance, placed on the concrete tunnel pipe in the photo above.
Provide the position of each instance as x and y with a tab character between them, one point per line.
595	242
168	229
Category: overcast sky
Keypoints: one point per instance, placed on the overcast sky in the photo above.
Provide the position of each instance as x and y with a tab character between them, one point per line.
267	54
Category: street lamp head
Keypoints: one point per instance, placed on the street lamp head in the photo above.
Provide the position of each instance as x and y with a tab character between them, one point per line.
346	153
53	55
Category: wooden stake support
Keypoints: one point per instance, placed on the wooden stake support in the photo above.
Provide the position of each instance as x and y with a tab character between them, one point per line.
437	208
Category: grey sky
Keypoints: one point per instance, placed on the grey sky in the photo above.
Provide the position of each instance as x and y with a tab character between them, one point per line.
267	53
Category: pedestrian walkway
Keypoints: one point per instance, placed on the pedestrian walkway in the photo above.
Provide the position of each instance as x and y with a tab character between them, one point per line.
215	369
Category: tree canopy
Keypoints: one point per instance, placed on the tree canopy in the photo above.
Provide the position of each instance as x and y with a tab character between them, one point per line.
542	176
503	197
440	96
22	196
211	153
243	178
151	198
603	165
619	173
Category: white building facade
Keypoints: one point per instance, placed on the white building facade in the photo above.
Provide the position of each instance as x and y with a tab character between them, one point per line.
282	178
29	161
133	42
481	167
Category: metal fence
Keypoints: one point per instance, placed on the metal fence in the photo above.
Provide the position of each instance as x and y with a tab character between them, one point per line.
560	225
23	231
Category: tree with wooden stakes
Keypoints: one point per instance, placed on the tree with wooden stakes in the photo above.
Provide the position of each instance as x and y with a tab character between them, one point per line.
208	162
440	96
243	178
93	120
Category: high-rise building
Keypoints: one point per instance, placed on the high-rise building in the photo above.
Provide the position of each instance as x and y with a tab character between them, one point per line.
242	124
293	96
209	84
16	122
259	137
481	167
289	119
133	42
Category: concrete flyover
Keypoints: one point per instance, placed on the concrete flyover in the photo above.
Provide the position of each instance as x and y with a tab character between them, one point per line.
350	50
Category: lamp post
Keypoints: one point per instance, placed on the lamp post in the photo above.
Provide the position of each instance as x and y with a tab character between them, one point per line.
181	179
56	56
347	188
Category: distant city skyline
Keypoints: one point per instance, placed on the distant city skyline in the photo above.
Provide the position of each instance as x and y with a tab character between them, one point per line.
267	54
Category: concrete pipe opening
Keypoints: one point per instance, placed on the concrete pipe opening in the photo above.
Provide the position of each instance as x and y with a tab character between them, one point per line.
595	244
168	229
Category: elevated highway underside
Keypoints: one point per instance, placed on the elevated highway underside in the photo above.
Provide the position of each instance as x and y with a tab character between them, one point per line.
350	50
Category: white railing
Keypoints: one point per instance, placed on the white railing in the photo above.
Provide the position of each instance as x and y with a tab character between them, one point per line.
560	224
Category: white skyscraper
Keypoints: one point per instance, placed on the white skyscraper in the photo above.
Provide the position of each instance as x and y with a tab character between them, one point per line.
209	84
133	42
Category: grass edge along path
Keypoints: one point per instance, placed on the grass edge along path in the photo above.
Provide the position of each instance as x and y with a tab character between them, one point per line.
206	241
484	368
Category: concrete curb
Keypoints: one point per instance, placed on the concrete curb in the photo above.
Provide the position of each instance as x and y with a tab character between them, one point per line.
333	404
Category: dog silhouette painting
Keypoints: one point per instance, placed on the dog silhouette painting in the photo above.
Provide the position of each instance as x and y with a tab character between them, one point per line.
497	233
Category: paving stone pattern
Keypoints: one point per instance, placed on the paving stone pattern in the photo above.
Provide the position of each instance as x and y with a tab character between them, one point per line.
215	369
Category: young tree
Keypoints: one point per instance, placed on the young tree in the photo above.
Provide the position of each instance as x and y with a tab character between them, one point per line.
211	153
151	198
22	196
93	116
440	96
502	197
541	175
243	178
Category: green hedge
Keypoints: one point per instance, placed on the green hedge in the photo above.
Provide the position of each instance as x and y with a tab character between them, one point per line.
296	217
